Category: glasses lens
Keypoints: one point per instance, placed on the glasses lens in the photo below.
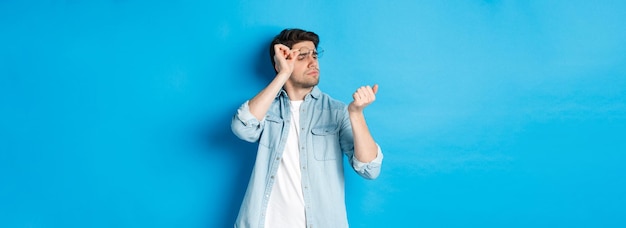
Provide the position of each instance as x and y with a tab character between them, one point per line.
305	52
319	52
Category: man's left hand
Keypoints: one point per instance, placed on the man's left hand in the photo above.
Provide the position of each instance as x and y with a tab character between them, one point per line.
363	96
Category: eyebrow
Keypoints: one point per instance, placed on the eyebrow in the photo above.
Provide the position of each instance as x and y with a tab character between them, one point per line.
314	48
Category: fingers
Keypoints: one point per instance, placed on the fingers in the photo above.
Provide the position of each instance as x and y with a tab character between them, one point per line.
284	58
281	51
367	92
293	55
365	95
356	97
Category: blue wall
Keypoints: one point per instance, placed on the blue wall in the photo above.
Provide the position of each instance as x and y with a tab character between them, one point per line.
491	113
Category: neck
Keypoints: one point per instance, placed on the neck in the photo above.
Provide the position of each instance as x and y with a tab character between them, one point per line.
297	93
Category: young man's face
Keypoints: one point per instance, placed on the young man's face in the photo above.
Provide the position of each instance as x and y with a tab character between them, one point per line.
306	73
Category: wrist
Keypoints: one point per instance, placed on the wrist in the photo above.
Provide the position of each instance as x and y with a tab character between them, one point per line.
283	74
355	111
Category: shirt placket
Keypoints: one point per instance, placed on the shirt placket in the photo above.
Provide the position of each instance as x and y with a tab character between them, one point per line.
277	153
306	114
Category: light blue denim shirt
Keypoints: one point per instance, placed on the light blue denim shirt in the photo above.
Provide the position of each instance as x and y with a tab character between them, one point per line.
326	134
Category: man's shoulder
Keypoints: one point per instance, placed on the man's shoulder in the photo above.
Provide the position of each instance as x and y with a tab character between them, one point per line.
328	101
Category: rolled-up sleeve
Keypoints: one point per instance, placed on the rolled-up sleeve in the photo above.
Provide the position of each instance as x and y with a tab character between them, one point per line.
245	126
369	170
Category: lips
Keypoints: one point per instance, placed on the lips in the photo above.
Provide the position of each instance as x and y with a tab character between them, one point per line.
313	72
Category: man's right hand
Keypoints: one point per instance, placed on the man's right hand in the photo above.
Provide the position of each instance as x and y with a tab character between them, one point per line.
284	59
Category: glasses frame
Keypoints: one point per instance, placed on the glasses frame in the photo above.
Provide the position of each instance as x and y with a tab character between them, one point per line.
305	52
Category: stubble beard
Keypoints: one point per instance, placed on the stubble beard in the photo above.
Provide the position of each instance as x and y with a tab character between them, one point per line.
306	82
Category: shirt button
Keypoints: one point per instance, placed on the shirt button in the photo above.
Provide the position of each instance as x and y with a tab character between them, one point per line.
272	177
277	158
303	167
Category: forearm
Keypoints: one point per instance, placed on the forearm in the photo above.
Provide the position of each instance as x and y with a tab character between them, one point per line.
260	103
365	148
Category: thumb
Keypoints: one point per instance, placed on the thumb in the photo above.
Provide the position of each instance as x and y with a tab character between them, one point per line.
293	54
375	88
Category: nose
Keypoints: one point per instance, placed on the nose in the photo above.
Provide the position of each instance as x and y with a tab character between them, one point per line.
312	61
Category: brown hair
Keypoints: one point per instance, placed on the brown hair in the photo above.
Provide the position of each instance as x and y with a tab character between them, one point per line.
289	37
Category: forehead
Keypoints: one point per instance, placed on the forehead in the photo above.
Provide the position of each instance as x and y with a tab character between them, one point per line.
307	44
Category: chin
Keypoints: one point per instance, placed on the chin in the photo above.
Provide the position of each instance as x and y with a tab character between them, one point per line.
315	83
309	85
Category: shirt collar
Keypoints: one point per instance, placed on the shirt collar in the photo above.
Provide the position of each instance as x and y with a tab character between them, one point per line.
315	93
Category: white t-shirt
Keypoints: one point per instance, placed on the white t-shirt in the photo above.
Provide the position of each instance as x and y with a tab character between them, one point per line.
286	204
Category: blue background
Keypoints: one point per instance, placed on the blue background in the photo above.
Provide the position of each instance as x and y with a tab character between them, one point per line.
490	113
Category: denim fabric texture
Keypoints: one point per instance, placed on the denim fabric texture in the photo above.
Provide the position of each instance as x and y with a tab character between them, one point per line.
325	136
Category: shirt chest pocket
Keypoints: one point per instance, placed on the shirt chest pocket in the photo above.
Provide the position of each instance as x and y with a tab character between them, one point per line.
325	143
271	131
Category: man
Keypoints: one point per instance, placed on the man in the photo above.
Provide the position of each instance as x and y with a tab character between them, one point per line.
298	179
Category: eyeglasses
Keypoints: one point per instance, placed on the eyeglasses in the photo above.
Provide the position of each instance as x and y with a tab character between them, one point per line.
305	52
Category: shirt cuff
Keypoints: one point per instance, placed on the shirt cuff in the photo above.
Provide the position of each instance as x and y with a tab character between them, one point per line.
368	165
245	116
